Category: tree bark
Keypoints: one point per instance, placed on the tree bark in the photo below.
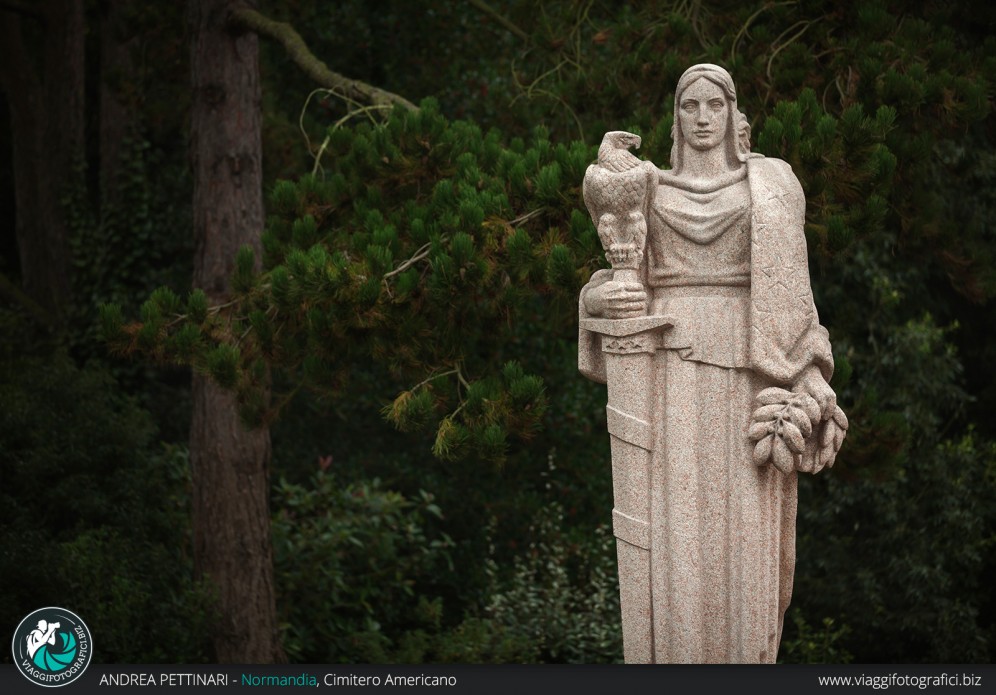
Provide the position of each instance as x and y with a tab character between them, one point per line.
45	94
312	66
117	120
232	546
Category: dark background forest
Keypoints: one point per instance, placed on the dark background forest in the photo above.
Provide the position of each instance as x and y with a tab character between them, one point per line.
288	305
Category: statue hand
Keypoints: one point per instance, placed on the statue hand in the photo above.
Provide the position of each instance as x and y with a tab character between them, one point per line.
616	300
811	381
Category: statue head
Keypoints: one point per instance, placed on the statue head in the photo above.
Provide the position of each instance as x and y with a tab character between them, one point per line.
736	135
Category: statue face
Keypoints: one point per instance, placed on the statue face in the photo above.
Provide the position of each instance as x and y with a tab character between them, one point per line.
703	114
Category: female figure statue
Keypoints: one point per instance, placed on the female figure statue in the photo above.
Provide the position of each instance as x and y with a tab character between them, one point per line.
717	370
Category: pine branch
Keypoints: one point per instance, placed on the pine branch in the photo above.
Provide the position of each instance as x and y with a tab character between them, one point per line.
504	21
526	217
419	255
312	66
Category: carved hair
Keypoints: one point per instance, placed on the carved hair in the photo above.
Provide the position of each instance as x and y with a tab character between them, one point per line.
738	146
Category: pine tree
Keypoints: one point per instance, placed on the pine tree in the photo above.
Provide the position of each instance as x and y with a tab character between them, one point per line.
416	252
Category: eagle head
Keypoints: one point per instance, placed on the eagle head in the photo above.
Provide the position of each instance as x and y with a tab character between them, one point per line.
621	140
614	154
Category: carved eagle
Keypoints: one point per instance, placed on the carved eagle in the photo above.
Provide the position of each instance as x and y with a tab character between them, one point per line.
616	190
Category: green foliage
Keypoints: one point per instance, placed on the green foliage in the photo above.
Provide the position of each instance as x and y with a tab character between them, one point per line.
548	185
132	242
805	644
245	262
558	601
410	411
115	579
354	565
562	597
111	322
929	526
561	269
197	306
427	241
93	515
351	563
223	365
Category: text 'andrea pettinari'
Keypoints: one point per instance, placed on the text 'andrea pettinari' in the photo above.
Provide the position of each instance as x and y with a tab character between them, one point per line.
164	679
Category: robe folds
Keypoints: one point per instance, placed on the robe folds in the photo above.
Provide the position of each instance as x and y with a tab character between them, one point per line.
707	561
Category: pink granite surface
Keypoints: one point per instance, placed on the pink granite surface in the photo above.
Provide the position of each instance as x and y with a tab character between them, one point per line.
716	367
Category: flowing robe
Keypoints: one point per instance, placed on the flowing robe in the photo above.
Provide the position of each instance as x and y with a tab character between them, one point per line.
729	268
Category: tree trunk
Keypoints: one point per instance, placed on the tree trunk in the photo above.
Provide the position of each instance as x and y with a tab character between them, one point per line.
46	98
232	546
117	119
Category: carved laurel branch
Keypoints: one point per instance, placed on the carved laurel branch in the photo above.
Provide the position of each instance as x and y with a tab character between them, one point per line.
790	434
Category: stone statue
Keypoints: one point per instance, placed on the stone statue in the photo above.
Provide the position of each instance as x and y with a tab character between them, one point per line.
717	369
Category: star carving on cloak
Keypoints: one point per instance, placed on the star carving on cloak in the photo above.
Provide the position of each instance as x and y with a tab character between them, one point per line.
781	273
